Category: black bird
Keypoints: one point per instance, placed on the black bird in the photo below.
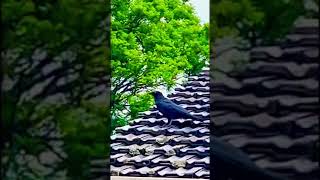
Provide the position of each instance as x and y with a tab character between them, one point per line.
171	110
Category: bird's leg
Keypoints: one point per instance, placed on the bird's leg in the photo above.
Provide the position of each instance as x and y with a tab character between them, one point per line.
167	124
170	122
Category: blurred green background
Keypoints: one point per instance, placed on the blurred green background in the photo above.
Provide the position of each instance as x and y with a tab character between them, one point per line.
55	108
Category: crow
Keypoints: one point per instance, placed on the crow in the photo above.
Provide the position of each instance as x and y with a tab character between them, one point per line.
171	110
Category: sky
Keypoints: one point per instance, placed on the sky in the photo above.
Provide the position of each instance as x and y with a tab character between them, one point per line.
202	9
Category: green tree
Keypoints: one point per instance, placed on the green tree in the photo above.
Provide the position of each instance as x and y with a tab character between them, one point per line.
153	41
55	62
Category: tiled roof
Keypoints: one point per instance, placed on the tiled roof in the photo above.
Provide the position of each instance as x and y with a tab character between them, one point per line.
143	148
270	109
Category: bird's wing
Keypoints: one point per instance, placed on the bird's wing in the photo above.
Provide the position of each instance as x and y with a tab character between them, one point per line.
170	106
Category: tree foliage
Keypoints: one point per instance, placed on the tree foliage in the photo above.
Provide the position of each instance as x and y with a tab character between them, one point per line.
152	43
55	70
